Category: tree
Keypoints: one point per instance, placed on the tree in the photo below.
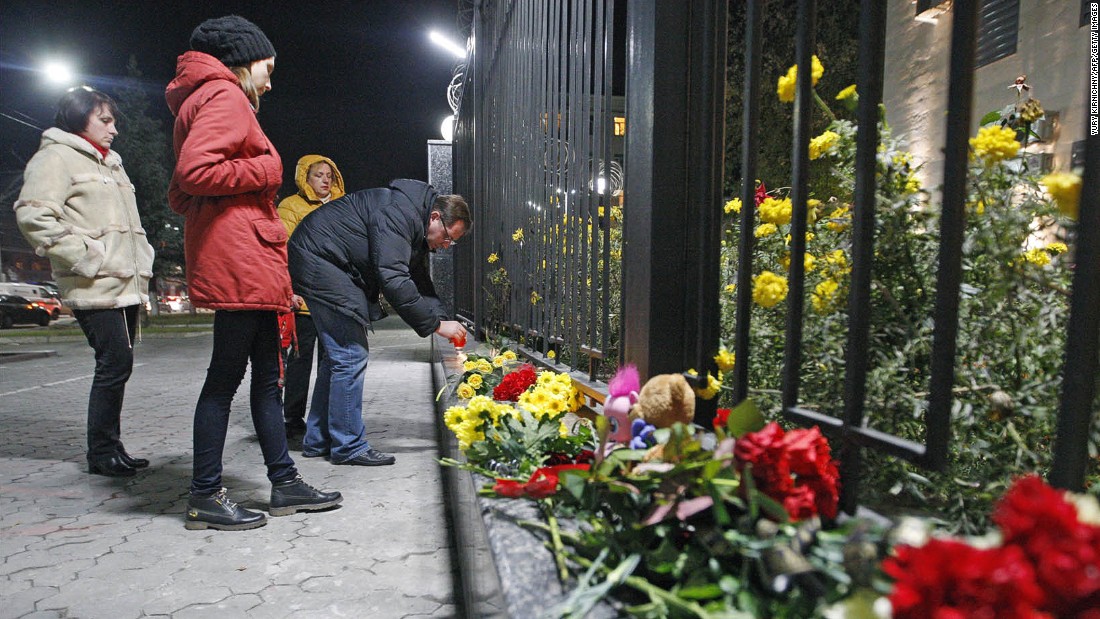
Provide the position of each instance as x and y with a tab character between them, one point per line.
145	148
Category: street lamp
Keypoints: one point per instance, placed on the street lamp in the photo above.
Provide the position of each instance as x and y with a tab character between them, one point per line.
58	72
447	44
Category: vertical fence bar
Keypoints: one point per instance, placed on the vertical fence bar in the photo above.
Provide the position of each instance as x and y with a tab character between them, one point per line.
670	185
800	173
749	121
952	222
1082	365
872	46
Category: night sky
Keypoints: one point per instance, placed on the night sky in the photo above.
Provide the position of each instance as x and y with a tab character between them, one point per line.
358	81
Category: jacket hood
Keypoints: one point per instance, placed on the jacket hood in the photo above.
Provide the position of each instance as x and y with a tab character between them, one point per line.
193	69
54	135
418	192
302	171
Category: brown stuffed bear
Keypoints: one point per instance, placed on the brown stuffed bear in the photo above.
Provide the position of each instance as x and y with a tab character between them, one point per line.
664	400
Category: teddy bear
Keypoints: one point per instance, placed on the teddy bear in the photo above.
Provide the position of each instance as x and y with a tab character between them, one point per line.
664	400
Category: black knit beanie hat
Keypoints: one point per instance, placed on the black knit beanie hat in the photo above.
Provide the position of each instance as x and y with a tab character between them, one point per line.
233	40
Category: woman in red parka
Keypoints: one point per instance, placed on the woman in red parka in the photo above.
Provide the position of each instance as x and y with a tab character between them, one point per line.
224	184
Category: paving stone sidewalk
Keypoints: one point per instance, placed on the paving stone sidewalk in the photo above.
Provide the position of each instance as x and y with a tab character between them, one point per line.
79	545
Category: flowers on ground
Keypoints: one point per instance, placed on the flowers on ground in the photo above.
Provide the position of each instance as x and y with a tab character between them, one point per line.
515	383
542	483
1047	565
794	468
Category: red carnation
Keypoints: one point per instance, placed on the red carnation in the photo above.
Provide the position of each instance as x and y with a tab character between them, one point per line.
513	384
542	483
794	468
1065	552
946	579
721	416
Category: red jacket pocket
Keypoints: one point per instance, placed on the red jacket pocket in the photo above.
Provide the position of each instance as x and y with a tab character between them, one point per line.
271	230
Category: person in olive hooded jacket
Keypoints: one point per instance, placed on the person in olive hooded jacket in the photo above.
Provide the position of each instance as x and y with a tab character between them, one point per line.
319	181
224	184
344	255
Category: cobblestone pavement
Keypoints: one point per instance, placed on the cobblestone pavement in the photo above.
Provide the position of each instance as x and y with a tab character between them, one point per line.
80	545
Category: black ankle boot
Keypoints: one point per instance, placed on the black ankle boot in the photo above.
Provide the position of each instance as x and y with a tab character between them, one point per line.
112	466
294	495
217	511
132	462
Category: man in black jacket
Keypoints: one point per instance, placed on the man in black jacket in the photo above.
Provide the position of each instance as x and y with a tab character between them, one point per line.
342	256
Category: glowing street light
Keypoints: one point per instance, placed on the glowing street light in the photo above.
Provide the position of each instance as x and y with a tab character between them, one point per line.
447	128
58	73
447	44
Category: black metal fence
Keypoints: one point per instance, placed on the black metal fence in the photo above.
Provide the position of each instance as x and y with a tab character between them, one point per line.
535	136
535	153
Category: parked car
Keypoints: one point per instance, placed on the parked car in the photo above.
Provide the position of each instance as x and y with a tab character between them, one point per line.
45	296
21	310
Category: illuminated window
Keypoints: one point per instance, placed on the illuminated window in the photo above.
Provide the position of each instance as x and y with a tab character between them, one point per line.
620	125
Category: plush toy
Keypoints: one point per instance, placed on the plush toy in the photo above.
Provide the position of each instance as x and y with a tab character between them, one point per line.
664	400
622	393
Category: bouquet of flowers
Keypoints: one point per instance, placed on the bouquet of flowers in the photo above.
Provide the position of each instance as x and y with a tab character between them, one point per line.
481	374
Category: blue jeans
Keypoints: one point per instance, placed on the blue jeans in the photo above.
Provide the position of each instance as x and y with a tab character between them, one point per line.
110	333
240	337
335	423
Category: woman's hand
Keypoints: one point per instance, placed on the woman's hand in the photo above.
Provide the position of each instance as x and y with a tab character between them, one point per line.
297	302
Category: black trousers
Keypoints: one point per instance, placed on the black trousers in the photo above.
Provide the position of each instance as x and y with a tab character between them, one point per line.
110	333
240	338
299	368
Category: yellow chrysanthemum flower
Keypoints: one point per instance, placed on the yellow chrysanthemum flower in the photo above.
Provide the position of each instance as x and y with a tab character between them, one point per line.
1057	248
1037	256
493	257
769	289
839	219
733	206
1065	189
838	260
535	298
823	144
725	359
714	385
824	296
475	381
776	212
808	261
847	93
465	391
551	354
517	236
731	288
764	230
785	89
994	143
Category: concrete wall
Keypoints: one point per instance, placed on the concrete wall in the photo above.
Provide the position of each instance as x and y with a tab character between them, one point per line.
1052	50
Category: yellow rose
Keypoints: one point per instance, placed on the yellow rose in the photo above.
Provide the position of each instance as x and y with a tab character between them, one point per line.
508	355
465	391
475	381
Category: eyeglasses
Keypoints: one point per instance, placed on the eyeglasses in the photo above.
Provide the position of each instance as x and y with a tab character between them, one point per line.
447	237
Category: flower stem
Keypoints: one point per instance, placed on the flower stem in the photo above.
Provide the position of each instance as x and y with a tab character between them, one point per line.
824	108
555	539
